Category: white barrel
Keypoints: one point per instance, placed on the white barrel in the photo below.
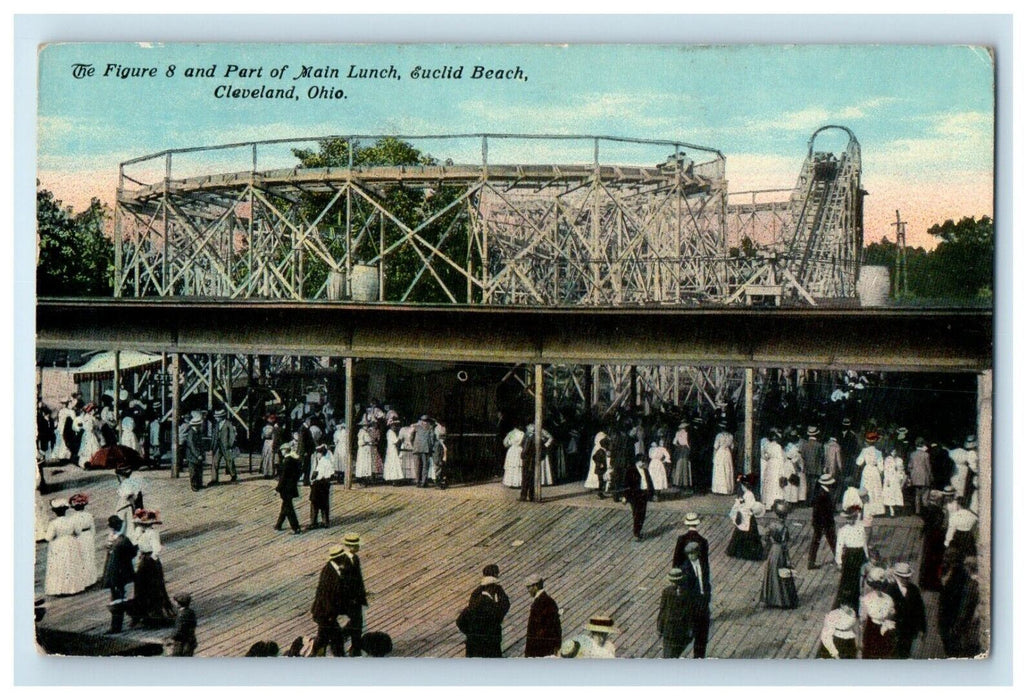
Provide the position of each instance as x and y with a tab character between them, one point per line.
873	285
366	284
336	285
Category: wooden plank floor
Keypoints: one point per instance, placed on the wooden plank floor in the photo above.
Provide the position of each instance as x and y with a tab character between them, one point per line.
423	553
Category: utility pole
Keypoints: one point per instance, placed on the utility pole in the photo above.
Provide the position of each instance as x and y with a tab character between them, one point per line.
900	264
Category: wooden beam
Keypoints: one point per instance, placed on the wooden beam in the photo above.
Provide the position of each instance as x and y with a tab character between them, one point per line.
539	411
748	421
175	414
349	418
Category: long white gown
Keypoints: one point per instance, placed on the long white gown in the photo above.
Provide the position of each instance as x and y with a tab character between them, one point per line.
91	441
592	481
772	468
793	464
63	576
512	465
364	459
87	546
893	480
872	478
659	457
127	436
392	459
340	449
60	452
723	473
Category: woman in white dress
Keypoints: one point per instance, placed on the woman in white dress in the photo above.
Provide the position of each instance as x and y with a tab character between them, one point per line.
63	575
61	451
410	461
269	447
660	458
512	465
871	461
364	459
893	481
771	470
341	448
723	473
547	443
592	481
793	472
127	435
392	457
85	540
91	439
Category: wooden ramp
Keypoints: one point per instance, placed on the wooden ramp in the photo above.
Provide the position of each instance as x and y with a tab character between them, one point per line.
423	551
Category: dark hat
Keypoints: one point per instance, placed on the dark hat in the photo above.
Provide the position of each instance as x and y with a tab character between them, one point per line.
920	442
640	459
377	644
490	570
114	522
183	599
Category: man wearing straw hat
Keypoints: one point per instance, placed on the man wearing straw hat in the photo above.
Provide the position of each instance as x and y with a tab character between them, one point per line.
544	630
287	487
909	609
812	456
692	521
698	588
195	454
222	447
598	645
823	520
340	591
674	616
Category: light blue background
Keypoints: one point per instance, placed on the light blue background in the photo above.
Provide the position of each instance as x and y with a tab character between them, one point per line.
30	31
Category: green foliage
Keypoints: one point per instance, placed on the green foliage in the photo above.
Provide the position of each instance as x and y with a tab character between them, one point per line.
408	205
76	258
961	267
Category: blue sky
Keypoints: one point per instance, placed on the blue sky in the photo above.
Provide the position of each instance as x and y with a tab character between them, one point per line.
923	114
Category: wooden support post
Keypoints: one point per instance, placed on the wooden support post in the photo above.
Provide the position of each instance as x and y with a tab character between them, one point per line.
116	385
588	388
349	419
633	389
163	389
985	407
251	407
539	410
748	421
211	380
174	433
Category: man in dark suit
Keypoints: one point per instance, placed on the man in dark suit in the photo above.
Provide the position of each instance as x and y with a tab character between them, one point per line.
823	523
354	593
674	620
528	470
423	445
692	521
118	571
328	605
195	453
482	620
698	587
811	455
622	456
287	487
849	453
638	492
909	610
544	631
305	447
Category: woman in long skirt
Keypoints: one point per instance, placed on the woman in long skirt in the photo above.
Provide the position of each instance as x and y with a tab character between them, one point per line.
723	473
392	457
90	441
839	635
871	461
935	527
682	476
65	418
410	460
796	487
659	461
852	552
746	540
267	463
364	459
150	605
63	576
512	464
772	470
341	448
893	482
85	540
778	589
594	479
127	434
879	637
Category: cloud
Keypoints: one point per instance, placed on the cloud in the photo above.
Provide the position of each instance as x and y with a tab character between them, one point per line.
810	118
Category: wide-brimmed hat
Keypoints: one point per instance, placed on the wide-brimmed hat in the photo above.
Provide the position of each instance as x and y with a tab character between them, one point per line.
692	519
827	480
146	517
872	436
902	570
59	503
195	418
675	575
971	442
336	551
79	499
845	421
845	620
533	580
570	649
352	539
183	599
219	413
90	407
601	623
812	431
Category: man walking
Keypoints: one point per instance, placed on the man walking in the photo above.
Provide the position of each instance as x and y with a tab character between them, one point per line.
698	586
909	610
340	591
195	454
544	631
423	445
638	492
287	487
222	447
692	521
812	456
823	522
118	571
482	620
319	490
674	616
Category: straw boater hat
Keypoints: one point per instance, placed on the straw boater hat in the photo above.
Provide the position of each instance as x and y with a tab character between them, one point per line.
336	551
845	421
971	442
902	570
676	575
220	412
692	519
195	418
812	431
827	480
533	580
872	436
902	432
570	649
601	623
352	539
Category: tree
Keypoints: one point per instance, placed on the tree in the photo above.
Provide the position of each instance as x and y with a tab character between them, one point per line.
409	205
962	265
76	257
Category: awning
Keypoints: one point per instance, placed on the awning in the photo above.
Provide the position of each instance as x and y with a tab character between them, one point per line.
102	365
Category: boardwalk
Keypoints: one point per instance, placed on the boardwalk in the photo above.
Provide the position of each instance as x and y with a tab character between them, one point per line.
423	553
